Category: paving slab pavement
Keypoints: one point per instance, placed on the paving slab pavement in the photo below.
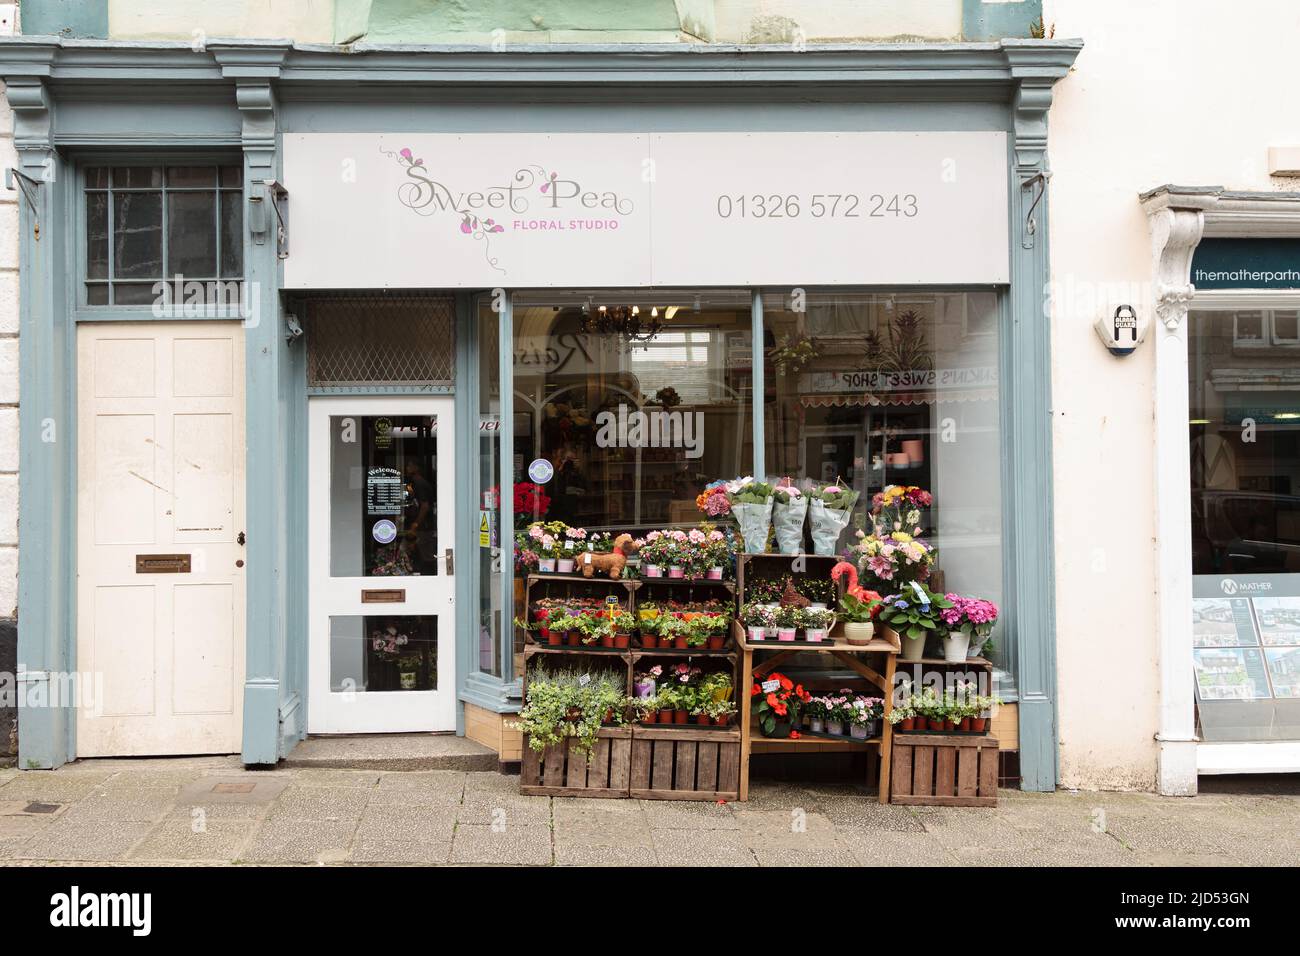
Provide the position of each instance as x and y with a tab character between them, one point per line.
211	811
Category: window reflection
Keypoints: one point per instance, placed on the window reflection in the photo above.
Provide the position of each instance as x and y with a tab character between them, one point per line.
383	653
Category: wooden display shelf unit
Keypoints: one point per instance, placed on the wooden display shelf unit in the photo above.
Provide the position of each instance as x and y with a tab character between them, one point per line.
698	763
563	772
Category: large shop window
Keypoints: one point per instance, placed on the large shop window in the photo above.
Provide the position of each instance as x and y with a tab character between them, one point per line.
182	225
629	404
1244	421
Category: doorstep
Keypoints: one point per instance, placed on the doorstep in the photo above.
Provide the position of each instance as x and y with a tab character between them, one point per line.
392	752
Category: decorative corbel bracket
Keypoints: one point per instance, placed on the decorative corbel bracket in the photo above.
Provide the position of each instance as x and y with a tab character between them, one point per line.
1177	221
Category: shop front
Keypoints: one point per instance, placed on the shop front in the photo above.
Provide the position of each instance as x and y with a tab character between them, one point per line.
480	291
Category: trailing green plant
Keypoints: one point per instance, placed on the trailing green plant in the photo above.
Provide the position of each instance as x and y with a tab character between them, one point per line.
569	704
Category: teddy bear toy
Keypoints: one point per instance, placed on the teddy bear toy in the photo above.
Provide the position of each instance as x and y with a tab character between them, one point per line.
611	563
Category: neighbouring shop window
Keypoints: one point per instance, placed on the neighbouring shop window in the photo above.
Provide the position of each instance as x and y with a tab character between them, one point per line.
489	538
178	224
895	388
1244	431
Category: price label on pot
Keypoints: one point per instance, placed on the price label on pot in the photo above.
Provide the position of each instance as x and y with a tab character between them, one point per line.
771	685
584	680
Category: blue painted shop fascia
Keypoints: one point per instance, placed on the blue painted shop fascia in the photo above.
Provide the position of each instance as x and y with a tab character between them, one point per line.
151	97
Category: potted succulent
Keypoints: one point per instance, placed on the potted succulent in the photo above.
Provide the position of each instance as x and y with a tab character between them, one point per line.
914	615
858	605
817	623
757	618
970	623
776	702
788	619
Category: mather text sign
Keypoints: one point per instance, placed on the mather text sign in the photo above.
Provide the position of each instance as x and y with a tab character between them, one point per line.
515	210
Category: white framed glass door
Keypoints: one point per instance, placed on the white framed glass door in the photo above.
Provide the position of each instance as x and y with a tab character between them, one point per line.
381	532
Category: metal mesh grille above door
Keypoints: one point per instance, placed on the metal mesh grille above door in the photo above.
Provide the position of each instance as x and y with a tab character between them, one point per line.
380	340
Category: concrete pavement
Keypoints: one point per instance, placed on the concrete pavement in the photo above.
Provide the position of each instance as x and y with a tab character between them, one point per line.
212	811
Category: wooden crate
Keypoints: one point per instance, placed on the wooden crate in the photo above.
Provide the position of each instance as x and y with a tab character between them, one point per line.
944	770
562	772
696	764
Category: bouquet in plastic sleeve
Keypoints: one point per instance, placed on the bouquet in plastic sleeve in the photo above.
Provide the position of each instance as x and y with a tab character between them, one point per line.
829	509
789	508
751	506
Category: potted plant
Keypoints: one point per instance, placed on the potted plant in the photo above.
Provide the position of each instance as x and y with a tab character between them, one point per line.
757	618
751	506
914	615
970	622
673	631
525	625
721	711
893	554
836	709
829	509
569	705
594	630
776	702
858	605
815	714
648	628
568	544
655	553
697	628
817	623
645	682
621	624
863	715
789	508
667	699
820	592
903	716
788	619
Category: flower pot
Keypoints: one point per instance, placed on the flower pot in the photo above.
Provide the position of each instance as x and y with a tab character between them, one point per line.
859	632
716	641
964	726
782	728
815	724
935	725
785	633
564	566
835	727
858	731
408	679
817	606
609	716
653	571
573	638
914	449
948	724
676	572
704	720
681	717
643	689
715	574
907	723
979	725
607	640
679	642
722	721
913	648
649	716
649	640
757	633
621	641
815	634
666	716
554	638
955	646
546	565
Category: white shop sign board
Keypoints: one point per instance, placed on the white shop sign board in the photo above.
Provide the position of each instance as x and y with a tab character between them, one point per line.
610	209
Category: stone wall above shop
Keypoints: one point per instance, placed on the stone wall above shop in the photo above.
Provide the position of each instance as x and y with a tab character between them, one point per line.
536	21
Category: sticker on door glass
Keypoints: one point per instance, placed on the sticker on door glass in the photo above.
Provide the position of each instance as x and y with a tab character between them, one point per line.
384	491
384	531
541	471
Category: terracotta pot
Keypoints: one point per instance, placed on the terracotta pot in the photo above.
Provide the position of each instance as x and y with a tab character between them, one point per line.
666	716
716	641
703	720
948	725
609	716
679	642
936	725
681	717
607	640
573	639
965	724
649	716
907	723
649	640
979	724
722	721
554	638
620	641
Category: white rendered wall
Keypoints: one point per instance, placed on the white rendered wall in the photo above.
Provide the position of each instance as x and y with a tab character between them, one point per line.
1190	92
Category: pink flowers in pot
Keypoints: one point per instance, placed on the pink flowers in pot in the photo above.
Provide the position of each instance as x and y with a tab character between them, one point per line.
970	615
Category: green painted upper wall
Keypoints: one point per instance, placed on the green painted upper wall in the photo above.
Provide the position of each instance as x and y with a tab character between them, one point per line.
535	21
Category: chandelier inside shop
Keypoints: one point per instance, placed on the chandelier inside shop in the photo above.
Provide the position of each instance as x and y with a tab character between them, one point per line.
626	321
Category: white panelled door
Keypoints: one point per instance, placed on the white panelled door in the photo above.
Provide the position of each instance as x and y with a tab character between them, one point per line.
160	512
381	505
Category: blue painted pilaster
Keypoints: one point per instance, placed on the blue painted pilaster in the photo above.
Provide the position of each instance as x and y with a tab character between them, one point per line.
47	486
